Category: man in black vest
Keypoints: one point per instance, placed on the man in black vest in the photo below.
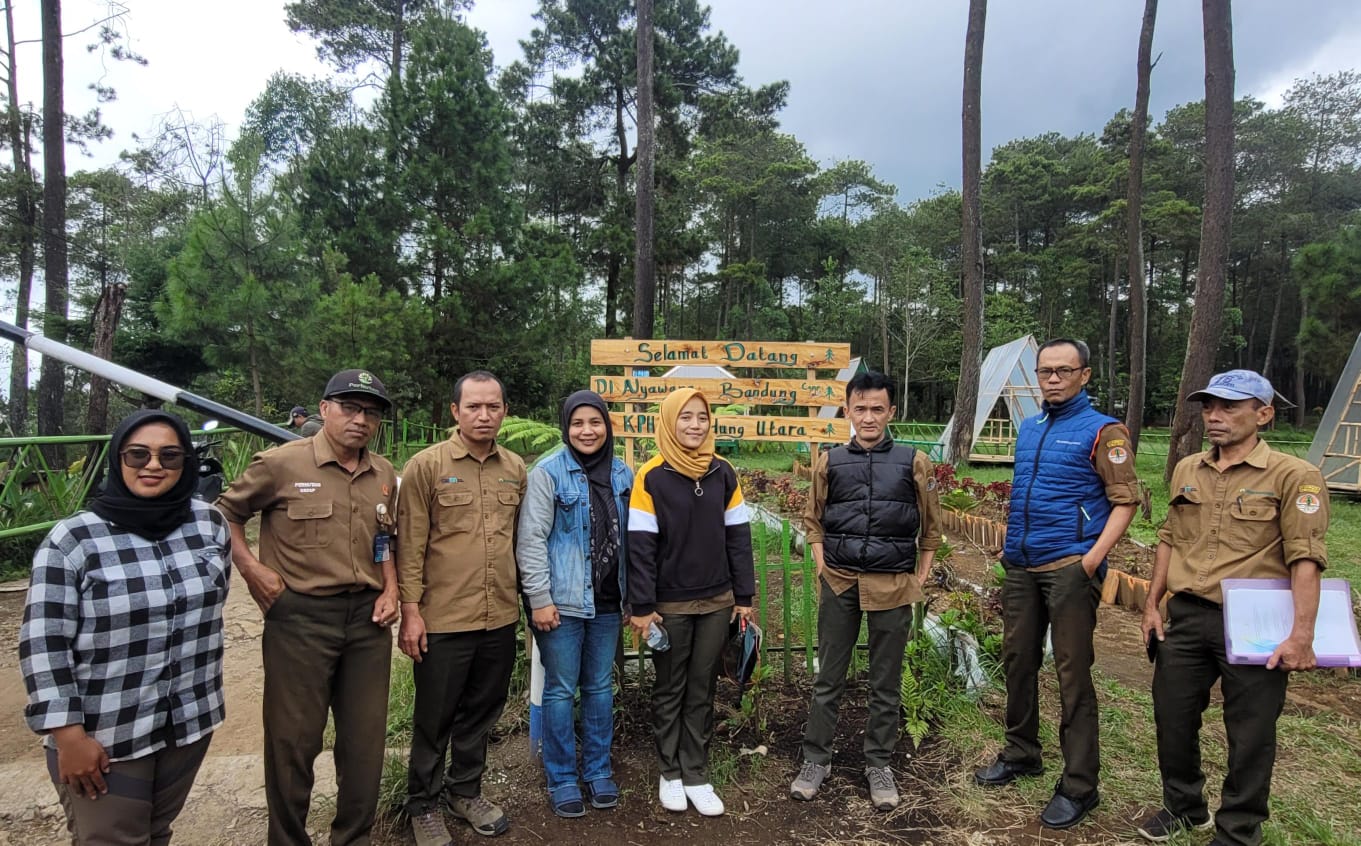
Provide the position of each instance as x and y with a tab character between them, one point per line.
871	509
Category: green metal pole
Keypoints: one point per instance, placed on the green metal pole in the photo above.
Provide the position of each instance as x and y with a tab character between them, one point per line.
761	575
786	603
809	627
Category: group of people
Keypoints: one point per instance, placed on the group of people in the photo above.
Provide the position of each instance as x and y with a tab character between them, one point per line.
122	640
1236	510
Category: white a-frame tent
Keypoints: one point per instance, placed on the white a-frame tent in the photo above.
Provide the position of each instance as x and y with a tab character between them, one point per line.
1336	449
1007	386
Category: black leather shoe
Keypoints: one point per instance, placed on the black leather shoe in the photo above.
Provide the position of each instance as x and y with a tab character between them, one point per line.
1001	773
1066	812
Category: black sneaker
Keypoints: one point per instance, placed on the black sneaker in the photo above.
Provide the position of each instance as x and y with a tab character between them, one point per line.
1160	827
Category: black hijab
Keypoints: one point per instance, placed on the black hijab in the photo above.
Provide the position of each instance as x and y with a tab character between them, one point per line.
153	518
597	464
605	534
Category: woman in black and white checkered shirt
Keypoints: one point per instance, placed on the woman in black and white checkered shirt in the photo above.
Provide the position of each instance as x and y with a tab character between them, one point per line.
122	642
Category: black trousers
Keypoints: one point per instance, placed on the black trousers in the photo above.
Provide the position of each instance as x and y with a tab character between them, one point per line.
1064	601
683	694
1189	661
324	653
461	687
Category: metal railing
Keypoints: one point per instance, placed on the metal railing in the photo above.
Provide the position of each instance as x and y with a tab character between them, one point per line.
44	480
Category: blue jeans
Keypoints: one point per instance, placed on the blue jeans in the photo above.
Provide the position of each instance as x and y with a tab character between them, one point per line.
578	653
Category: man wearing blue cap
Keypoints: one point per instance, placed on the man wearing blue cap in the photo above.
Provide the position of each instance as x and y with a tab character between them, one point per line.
1238	510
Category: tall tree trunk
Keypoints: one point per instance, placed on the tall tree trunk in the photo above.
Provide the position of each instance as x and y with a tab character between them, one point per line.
1112	336
1138	293
903	404
971	359
883	335
1207	316
1300	399
398	37
108	311
645	256
615	262
51	382
19	131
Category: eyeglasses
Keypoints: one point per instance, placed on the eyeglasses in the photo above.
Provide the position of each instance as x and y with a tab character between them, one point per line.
350	409
139	457
1064	373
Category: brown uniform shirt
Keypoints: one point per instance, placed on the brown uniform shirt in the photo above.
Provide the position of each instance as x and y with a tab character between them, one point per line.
457	520
879	591
1251	521
1113	461
317	521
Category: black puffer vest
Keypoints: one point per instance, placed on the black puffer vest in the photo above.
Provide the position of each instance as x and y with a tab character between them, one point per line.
870	521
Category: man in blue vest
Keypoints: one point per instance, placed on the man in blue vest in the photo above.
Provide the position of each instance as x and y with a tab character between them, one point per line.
1073	495
873	526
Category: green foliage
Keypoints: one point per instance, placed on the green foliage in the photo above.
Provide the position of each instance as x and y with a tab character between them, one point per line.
529	437
497	208
1329	275
236	288
931	691
958	500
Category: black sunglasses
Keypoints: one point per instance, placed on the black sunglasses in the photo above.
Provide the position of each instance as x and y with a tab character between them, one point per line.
171	458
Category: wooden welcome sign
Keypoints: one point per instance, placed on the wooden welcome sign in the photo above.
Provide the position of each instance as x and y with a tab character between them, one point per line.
638	386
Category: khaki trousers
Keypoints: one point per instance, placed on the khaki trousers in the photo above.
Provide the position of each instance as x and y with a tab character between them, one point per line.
145	795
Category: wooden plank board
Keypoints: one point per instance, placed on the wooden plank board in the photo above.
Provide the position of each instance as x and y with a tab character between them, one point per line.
756	392
761	354
743	428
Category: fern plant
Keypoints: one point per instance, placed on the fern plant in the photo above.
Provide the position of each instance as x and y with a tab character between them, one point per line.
528	437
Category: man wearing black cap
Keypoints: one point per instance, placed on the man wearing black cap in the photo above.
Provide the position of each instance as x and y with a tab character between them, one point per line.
1238	510
306	424
326	581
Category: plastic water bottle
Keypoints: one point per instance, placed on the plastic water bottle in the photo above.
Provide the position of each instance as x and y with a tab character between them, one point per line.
657	638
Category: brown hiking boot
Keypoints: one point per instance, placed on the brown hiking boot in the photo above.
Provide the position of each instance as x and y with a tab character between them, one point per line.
483	816
430	830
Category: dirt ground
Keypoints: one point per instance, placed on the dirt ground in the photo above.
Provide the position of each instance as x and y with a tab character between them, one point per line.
227	806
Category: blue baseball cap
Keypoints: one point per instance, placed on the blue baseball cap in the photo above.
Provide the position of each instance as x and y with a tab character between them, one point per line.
1237	385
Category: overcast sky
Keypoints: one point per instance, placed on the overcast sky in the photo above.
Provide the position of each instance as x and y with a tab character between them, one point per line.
877	80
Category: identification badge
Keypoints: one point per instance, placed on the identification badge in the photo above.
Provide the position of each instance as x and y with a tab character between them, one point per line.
382	539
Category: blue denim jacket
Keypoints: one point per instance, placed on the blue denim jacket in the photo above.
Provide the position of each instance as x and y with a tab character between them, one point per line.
553	544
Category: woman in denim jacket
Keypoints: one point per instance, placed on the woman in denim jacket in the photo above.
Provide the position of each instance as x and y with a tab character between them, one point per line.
571	550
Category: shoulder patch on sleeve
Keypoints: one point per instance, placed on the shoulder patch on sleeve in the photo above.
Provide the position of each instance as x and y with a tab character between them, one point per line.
1307	503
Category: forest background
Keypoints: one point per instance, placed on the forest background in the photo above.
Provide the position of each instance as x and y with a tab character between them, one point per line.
422	213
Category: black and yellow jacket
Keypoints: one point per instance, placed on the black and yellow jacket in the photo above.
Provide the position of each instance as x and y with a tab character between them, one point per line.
687	539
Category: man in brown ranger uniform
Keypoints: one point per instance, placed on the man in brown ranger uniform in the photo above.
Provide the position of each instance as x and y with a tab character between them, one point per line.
326	582
460	606
1238	510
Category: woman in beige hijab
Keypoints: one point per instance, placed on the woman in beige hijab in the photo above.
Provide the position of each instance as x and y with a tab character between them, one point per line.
690	572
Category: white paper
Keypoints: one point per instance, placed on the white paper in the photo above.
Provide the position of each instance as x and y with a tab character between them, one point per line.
1262	619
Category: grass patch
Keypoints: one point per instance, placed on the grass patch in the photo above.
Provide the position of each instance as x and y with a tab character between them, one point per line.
1316	779
401	702
772	462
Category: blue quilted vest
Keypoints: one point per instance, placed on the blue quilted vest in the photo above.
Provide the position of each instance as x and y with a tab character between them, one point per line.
1058	503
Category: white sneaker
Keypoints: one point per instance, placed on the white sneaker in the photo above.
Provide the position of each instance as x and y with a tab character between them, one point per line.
671	793
705	800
